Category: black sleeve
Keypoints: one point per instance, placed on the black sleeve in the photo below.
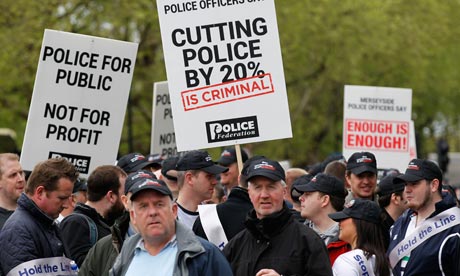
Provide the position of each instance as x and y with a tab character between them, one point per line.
76	237
198	229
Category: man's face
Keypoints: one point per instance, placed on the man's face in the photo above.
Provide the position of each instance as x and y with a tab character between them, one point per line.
12	181
362	185
203	184
118	207
418	194
154	216
311	204
230	178
53	202
266	195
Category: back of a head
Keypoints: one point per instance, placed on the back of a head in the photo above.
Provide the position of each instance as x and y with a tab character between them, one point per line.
47	174
102	180
336	168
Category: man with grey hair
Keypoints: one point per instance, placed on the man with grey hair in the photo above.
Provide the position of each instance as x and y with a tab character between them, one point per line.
12	182
274	243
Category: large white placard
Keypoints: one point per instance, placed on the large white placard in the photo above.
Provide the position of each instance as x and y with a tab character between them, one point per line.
377	119
163	136
225	72
79	100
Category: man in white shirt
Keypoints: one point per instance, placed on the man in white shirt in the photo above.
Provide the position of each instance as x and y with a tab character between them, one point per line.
196	177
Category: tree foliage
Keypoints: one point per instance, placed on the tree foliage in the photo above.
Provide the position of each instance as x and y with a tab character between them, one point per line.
325	45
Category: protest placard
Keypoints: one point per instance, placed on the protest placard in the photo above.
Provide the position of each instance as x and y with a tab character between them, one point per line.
163	137
79	100
377	119
225	72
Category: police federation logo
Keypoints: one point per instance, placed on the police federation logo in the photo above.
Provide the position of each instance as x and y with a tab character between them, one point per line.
232	129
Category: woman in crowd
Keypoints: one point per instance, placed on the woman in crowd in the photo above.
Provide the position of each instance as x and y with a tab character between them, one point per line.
360	226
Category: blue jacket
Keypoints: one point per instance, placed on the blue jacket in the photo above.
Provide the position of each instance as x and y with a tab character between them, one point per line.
195	256
428	258
27	235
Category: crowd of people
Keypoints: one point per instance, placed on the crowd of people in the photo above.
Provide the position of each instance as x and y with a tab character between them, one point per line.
190	215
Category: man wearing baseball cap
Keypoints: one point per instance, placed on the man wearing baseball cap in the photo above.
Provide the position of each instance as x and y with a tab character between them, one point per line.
320	196
392	201
425	239
272	233
196	178
229	179
133	162
361	175
163	243
102	255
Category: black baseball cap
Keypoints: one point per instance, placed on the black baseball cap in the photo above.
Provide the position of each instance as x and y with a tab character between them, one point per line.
79	185
301	180
360	162
228	156
149	184
199	160
132	162
419	169
267	168
136	176
168	168
156	159
387	186
321	182
358	208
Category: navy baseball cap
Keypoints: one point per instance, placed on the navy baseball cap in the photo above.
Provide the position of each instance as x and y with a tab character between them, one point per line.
267	168
387	186
132	162
149	184
228	156
168	168
358	208
302	180
136	176
79	185
360	162
321	182
419	169
199	160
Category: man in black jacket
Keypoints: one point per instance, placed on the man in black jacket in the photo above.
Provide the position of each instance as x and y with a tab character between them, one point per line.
231	214
30	235
91	221
274	243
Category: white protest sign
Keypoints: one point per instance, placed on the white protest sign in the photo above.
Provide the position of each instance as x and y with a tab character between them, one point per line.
225	72
79	100
163	136
377	119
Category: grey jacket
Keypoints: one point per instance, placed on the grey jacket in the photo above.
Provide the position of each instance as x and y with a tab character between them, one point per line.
195	256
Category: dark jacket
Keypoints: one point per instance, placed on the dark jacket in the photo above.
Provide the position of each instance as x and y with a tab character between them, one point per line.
277	242
28	234
75	231
424	260
195	256
232	214
102	255
4	215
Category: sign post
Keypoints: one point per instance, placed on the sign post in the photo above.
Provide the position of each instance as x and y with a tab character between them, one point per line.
79	100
